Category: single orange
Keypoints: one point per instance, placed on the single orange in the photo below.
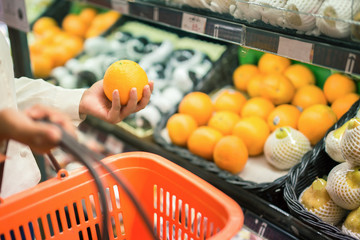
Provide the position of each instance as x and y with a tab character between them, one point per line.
338	85
202	141
257	106
74	25
229	100
87	15
243	74
58	53
102	22
74	44
283	115
341	105
124	75
271	63
307	96
41	65
49	33
315	121
198	105
277	88
43	24
180	126
230	154
253	131
224	121
299	75
255	85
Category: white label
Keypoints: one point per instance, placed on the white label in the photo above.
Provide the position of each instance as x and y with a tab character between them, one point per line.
121	6
13	13
295	49
193	23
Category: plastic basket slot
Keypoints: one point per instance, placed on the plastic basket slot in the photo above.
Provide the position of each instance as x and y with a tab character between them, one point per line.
116	196
185	220
93	206
50	224
121	223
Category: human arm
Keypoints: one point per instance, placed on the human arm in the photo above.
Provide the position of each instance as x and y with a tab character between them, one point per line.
77	103
39	136
30	92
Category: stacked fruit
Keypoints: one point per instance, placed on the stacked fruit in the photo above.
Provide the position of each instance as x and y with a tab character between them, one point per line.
274	108
341	193
53	45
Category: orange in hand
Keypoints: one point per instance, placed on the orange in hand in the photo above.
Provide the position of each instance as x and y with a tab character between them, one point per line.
124	75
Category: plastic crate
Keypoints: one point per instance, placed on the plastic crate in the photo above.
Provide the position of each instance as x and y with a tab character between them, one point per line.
315	163
180	205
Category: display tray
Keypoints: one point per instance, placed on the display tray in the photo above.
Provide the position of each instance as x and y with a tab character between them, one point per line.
258	176
316	163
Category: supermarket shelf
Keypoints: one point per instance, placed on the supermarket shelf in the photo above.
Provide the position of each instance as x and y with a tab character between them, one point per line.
267	220
330	53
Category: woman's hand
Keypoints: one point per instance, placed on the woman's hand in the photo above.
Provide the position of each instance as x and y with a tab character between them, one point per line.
39	136
95	103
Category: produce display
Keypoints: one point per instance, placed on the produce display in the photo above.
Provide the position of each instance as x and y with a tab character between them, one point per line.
52	44
336	19
276	108
342	188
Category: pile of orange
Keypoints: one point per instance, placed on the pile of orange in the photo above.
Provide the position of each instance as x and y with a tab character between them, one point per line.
272	94
54	44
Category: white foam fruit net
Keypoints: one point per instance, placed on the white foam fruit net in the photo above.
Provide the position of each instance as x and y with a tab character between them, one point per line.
339	190
329	212
286	152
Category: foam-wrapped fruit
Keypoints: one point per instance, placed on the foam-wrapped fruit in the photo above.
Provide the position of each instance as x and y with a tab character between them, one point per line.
316	200
285	147
351	226
332	143
343	186
350	147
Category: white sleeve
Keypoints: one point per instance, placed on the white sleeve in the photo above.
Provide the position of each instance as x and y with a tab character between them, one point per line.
30	92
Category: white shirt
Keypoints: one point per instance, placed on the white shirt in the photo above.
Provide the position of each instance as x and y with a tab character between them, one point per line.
21	170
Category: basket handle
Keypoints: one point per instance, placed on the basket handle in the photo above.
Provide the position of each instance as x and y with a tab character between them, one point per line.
88	158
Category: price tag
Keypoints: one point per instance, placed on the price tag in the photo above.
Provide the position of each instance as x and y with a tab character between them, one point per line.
121	6
13	13
295	49
193	23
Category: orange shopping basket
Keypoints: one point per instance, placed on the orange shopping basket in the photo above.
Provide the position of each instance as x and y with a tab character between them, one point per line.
179	204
